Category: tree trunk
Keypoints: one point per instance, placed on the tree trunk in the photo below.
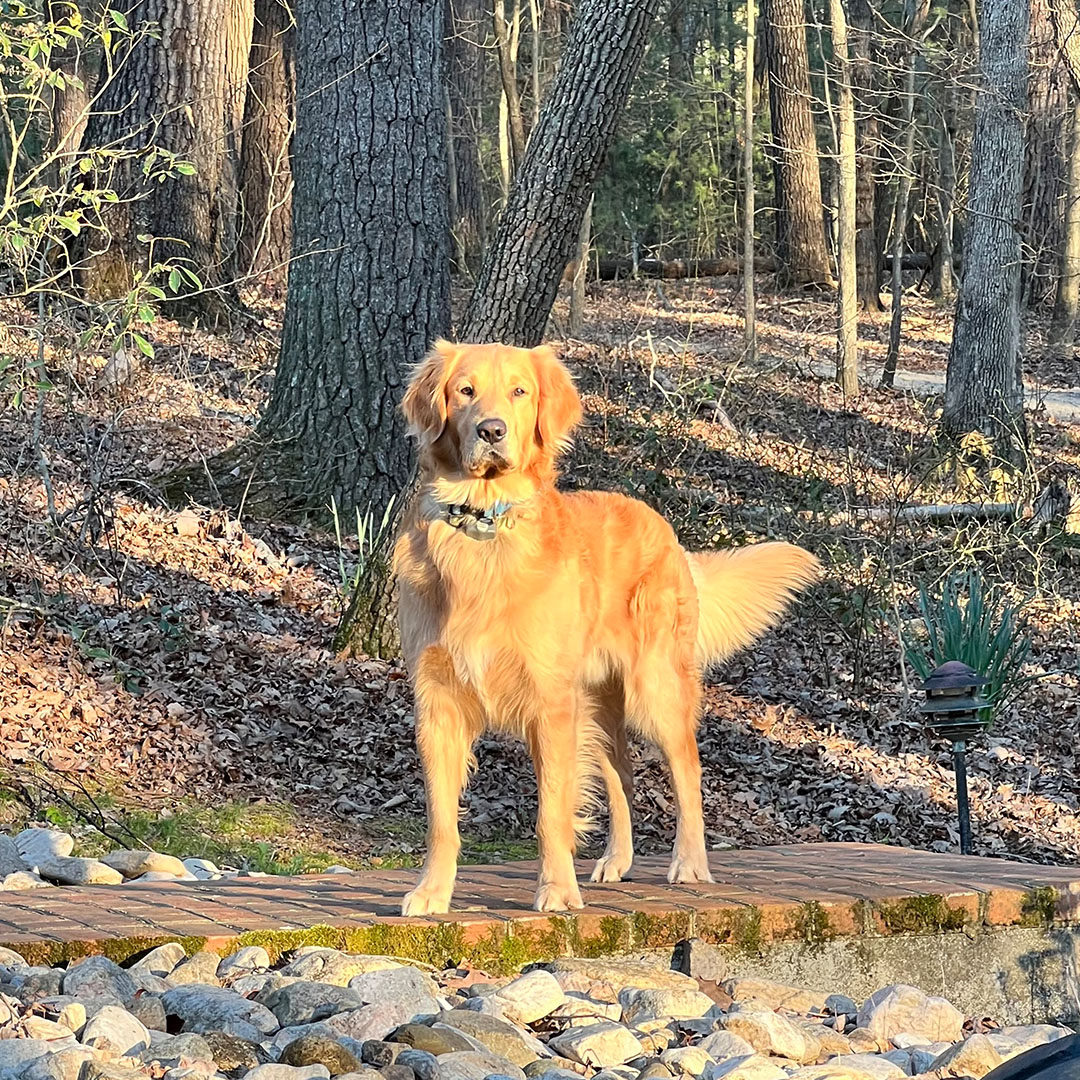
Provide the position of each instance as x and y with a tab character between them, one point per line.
984	389
945	264
465	63
580	272
238	37
867	143
800	223
847	353
369	281
1067	301
750	347
70	106
266	167
507	37
538	228
170	93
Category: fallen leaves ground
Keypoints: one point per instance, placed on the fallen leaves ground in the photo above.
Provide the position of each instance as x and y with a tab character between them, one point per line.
170	657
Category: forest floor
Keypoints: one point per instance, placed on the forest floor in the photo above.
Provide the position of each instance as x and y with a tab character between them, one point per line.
169	675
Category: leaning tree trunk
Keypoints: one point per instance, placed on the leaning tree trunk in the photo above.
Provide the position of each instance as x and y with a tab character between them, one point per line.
867	143
539	227
1067	301
800	222
465	63
847	319
984	389
170	93
369	284
266	165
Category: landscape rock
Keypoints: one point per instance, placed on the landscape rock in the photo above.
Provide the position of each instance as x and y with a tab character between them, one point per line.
32	984
604	979
438	1039
699	960
202	869
177	1048
754	1067
530	997
841	1004
770	1033
425	1066
72	1015
403	986
320	1050
370	1022
98	977
305	1002
212	1008
63	1064
276	1071
1028	1035
11	862
149	1011
856	1067
133	864
496	1035
688	1060
232	1054
332	966
777	995
682	1004
22	880
160	961
378	1053
863	1041
199	968
38	1027
37	845
243	961
723	1045
894	1009
74	870
476	1065
923	1057
116	1030
16	1054
598	1045
974	1057
96	1069
579	1008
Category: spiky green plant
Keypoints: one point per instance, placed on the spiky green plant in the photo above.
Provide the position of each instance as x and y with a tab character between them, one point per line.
973	623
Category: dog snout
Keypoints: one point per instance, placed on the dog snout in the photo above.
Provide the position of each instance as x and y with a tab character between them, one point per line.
492	431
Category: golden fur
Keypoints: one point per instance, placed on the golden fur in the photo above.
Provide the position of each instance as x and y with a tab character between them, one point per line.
582	618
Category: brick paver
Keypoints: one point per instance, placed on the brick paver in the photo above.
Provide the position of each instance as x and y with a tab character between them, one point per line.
806	891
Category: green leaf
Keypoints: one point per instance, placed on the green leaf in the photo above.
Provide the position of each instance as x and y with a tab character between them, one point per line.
119	19
70	223
174	280
185	168
146	313
144	346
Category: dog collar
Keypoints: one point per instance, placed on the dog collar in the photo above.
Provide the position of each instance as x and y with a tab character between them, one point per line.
478	524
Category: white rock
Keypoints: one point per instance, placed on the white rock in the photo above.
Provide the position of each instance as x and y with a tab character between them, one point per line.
274	1071
37	1027
1029	1035
212	1008
974	1057
754	1067
402	987
770	1033
16	1054
690	1060
777	995
605	978
923	1057
133	864
475	1065
598	1045
73	1016
161	961
115	1029
530	997
638	1005
164	875
723	1045
854	1067
904	1040
900	1008
580	1008
22	880
203	869
243	962
35	845
65	1064
71	870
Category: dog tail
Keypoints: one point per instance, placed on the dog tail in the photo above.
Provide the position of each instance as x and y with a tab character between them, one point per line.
742	592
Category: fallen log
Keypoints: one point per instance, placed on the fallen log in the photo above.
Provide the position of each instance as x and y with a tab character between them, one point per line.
612	269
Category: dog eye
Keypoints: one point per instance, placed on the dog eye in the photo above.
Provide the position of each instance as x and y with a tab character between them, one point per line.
467	391
519	391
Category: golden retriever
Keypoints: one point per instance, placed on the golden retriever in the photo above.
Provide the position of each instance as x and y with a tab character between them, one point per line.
564	618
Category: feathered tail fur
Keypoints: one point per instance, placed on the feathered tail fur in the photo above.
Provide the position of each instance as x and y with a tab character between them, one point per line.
742	592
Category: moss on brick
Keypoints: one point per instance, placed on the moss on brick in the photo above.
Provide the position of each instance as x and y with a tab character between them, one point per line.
811	924
1039	906
659	931
739	927
928	914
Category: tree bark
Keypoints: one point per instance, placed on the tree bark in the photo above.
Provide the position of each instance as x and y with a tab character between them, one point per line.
867	143
369	281
1067	300
170	93
750	347
984	387
507	37
266	167
535	237
70	106
239	27
465	63
800	223
580	268
847	358
944	285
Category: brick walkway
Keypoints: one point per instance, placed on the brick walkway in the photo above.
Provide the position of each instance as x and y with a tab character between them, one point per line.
806	892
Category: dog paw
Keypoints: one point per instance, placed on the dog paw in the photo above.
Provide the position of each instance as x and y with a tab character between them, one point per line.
558	897
426	901
612	867
686	869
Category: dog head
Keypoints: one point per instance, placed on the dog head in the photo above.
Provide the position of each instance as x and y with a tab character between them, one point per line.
485	412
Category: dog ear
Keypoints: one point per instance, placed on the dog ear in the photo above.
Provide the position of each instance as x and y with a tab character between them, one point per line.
424	403
559	409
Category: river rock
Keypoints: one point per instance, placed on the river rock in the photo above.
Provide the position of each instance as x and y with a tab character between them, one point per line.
403	986
243	962
370	1022
160	961
770	1033
682	1004
177	1049
687	1060
425	1066
777	995
320	1050
699	960
16	1054
974	1057
148	1010
604	979
476	1065
98	977
74	870
578	1009
437	1040
530	997
212	1008
64	1064
11	862
305	1002
200	967
856	1067
1028	1035
277	1071
754	1067
898	1008
332	966
496	1035
22	880
724	1045
115	1030
36	845
133	864
598	1045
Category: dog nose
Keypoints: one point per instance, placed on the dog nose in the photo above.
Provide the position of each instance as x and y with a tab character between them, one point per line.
491	431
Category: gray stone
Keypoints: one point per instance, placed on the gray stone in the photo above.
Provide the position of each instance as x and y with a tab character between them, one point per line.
974	1057
605	978
98	977
95	1069
682	1004
905	1008
73	870
36	845
275	1071
923	1057
530	997
476	1065
9	958
542	1066
656	1070
257	984
699	960
211	1008
856	1067
378	1053
370	1022
149	1011
332	966
64	1064
116	1030
133	864
397	1072
841	1005
201	967
160	961
320	1050
403	986
233	1054
1028	1035
724	1045
243	961
436	1040
578	1008
598	1045
770	1033
33	984
496	1035
754	1067
175	1049
362	1073
425	1066
16	1054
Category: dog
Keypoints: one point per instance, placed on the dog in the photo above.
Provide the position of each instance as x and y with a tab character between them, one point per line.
567	619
